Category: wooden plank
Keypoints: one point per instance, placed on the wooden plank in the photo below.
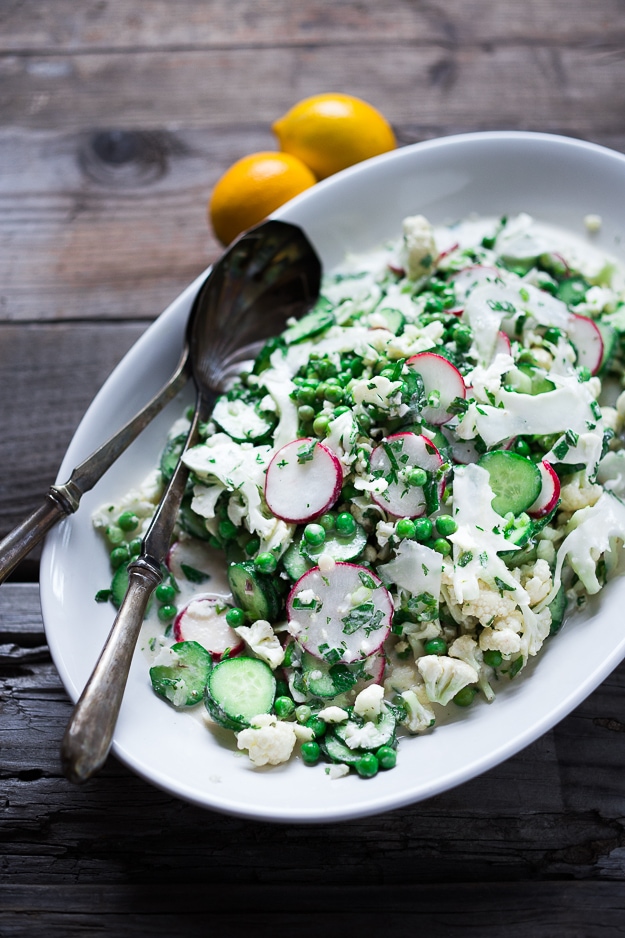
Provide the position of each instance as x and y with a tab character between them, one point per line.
555	810
496	85
577	910
112	224
36	25
48	377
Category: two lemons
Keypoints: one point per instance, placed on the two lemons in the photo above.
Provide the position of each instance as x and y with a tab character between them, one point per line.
318	137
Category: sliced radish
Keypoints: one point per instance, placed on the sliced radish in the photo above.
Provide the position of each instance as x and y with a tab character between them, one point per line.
203	620
392	461
190	559
442	382
342	615
465	281
549	493
303	480
586	338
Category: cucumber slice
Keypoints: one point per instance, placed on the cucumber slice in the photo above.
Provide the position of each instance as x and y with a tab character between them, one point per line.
171	454
244	421
183	681
237	690
294	562
320	318
385	730
557	607
393	319
515	481
339	548
191	522
253	592
337	751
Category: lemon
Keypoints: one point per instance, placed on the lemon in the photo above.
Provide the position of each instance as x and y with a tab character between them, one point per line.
254	187
331	131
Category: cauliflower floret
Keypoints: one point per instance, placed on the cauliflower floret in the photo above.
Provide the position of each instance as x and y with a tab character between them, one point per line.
610	417
367	736
490	604
420	715
467	649
262	640
338	770
504	640
368	703
444	677
579	493
333	714
620	411
536	580
269	741
403	677
535	631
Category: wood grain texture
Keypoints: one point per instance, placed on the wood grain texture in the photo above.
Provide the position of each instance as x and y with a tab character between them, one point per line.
545	813
43	25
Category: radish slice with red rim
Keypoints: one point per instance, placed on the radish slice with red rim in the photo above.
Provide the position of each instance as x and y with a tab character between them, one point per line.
393	462
442	384
341	615
549	492
586	337
203	620
502	344
303	480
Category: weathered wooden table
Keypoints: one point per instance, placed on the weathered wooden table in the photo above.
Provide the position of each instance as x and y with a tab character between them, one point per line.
116	118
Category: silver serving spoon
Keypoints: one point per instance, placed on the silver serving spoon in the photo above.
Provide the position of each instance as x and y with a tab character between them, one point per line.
269	274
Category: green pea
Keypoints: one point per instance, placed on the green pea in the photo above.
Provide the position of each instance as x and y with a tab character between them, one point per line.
252	546
423	529
417	476
118	556
167	613
227	529
265	563
115	535
306	395
446	525
334	394
306	413
433	305
346	524
521	446
320	425
341	409
283	707
435	646
464	697
317	725
135	546
368	765
128	521
165	593
311	753
442	546
314	534
405	528
303	714
235	617
387	757
493	658
463	337
320	393
327	521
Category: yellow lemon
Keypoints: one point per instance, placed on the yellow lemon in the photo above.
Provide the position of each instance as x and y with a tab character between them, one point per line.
254	187
331	131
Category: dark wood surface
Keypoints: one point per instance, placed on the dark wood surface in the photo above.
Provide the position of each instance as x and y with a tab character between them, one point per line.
115	121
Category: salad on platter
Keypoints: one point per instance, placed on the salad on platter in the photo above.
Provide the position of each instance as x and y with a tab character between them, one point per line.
394	508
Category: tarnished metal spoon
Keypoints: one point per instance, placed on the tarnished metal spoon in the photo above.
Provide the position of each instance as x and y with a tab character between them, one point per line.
268	275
